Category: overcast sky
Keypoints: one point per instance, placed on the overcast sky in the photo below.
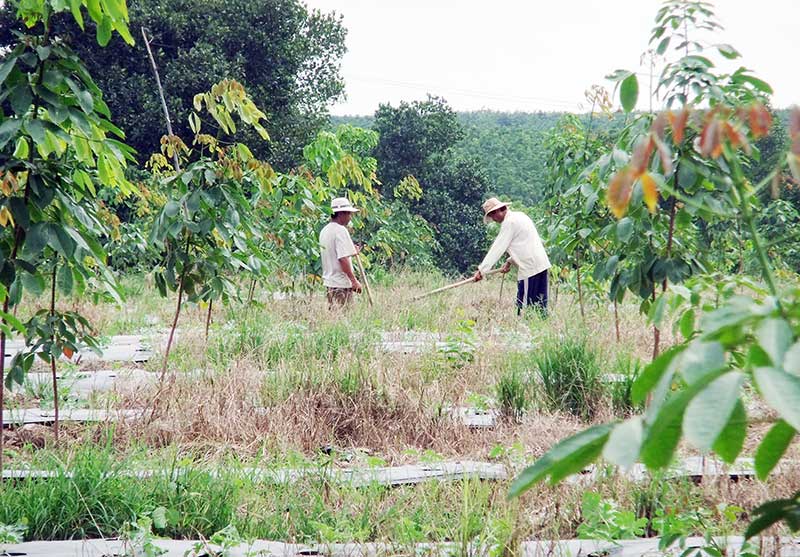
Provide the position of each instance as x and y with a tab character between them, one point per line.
532	55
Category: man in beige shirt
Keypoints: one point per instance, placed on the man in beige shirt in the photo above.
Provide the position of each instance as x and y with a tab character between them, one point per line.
518	236
337	249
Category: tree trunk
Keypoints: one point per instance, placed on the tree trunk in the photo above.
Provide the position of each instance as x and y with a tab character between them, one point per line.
3	384
53	356
208	318
580	294
161	96
172	332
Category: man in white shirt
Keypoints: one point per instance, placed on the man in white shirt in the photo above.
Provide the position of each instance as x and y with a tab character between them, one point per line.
518	236
337	249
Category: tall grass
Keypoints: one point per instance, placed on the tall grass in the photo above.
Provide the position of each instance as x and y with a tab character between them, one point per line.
569	376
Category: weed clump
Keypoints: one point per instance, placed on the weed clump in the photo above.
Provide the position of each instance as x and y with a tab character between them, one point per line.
570	379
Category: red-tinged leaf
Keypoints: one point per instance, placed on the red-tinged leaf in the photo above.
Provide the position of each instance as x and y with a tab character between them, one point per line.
794	130
665	156
68	352
641	156
659	125
736	137
760	120
678	123
710	138
794	122
650	189
620	189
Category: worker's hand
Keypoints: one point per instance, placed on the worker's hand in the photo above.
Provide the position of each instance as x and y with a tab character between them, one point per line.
358	248
355	285
506	267
477	276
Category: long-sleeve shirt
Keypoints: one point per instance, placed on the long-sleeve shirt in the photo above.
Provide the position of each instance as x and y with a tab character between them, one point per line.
518	236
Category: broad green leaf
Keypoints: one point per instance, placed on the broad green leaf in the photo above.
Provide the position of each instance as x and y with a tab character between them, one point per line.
652	373
568	457
759	84
700	359
662	434
64	279
624	229
33	283
686	323
781	391
731	440
662	46
775	336
8	129
791	360
75	8
629	92
708	412
624	443
728	51
6	67
104	31
772	448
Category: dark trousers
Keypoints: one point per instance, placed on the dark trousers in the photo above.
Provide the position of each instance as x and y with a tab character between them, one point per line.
533	292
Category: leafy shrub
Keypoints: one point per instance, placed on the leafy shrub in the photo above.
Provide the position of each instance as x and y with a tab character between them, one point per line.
603	520
570	377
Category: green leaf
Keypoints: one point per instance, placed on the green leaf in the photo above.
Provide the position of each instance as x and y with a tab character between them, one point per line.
731	440
9	129
629	92
652	374
708	412
6	67
104	31
791	360
664	431
662	46
171	208
772	448
83	96
728	51
568	457
686	323
75	8
624	230
33	283
624	443
775	336
700	359
759	84
64	279
21	98
781	391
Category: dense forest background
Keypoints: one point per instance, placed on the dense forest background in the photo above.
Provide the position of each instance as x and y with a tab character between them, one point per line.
510	146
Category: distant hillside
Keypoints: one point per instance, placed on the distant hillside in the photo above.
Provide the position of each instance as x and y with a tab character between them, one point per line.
508	144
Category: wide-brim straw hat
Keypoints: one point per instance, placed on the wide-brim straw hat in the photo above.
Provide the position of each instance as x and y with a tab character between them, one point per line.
492	204
342	205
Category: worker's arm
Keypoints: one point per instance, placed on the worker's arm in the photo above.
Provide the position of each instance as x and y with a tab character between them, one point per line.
347	269
499	247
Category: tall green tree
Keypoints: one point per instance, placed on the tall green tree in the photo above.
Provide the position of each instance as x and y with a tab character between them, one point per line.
286	56
419	139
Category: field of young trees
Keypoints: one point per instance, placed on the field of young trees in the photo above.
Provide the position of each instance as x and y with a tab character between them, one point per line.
174	382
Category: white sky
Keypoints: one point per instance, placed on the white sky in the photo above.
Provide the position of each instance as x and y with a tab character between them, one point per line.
532	55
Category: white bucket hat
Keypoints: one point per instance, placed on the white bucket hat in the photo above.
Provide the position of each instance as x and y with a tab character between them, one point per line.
342	205
492	204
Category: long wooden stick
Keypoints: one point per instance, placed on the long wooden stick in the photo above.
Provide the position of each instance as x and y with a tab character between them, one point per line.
161	96
455	284
366	283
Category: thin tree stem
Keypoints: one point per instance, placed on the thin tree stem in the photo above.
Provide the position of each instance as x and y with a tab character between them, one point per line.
208	317
52	354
